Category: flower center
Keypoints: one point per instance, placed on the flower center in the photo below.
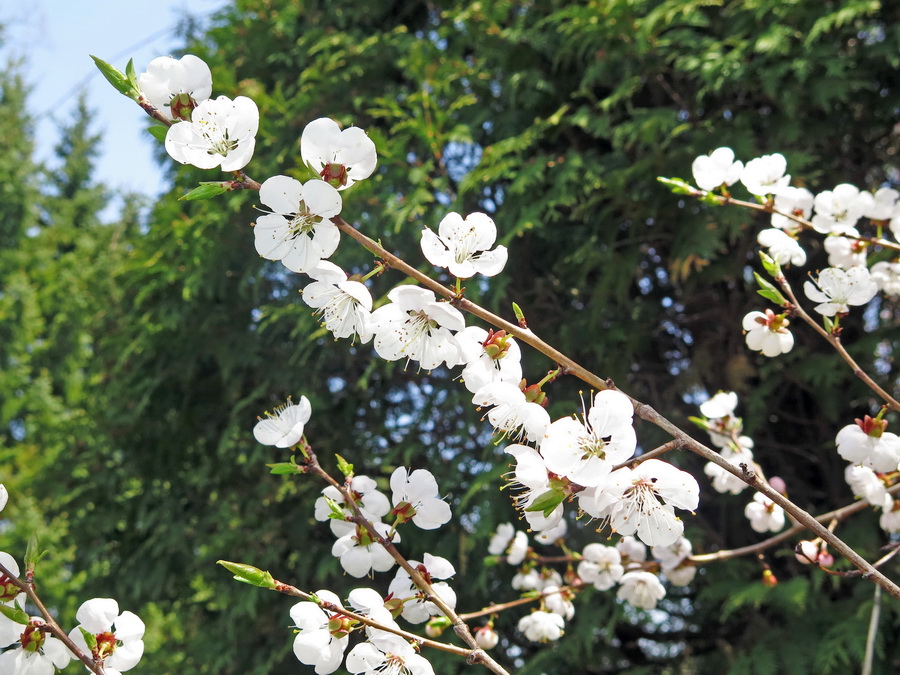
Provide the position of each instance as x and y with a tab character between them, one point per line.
303	222
218	139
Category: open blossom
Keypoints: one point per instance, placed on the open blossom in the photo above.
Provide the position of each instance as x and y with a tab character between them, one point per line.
37	652
298	232
601	565
866	442
885	204
518	548
765	175
360	554
415	497
641	589
673	561
387	654
531	474
764	514
344	305
845	252
221	132
416	608
585	452
838	210
417	327
886	276
372	502
553	534
736	454
782	247
643	500
512	414
794	201
768	333
462	246
119	637
340	157
176	86
720	405
542	626
559	602
317	643
489	357
631	550
835	290
890	518
284	427
866	484
716	169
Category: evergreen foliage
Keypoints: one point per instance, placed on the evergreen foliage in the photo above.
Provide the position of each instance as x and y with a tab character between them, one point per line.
144	351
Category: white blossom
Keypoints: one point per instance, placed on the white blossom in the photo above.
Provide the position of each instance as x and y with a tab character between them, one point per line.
462	246
542	626
315	643
585	452
360	554
558	602
417	327
765	175
44	655
764	514
415	497
885	205
845	252
641	589
890	518
782	247
387	654
531	474
284	427
866	484
839	210
767	333
373	503
119	637
221	132
298	232
340	157
601	566
518	549
886	276
721	405
4	496
489	357
643	500
736	454
416	609
512	414
176	86
631	549
835	290
794	201
716	169
866	443
344	305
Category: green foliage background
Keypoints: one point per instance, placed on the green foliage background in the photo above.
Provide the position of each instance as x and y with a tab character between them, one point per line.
136	355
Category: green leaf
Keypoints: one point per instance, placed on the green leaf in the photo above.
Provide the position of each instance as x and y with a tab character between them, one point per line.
547	502
345	467
769	291
14	613
771	265
131	75
248	574
284	469
159	131
89	638
117	79
678	186
207	190
32	554
520	315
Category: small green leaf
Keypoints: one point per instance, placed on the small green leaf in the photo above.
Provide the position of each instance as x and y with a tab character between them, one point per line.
89	638
768	291
15	614
248	574
771	265
337	513
117	79
207	190
131	75
678	186
520	315
284	469
829	324
547	502
345	467
159	131
32	554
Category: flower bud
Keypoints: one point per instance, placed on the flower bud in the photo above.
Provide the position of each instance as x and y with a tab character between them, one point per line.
434	629
777	483
769	579
486	637
825	559
806	552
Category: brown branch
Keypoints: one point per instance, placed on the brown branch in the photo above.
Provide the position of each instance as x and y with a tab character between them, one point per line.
51	624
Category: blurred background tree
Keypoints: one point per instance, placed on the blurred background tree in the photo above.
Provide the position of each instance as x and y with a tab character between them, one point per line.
137	354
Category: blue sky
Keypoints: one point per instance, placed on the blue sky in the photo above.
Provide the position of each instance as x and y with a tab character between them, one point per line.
55	38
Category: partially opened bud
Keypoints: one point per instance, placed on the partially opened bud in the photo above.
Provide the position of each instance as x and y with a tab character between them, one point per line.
806	552
486	637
